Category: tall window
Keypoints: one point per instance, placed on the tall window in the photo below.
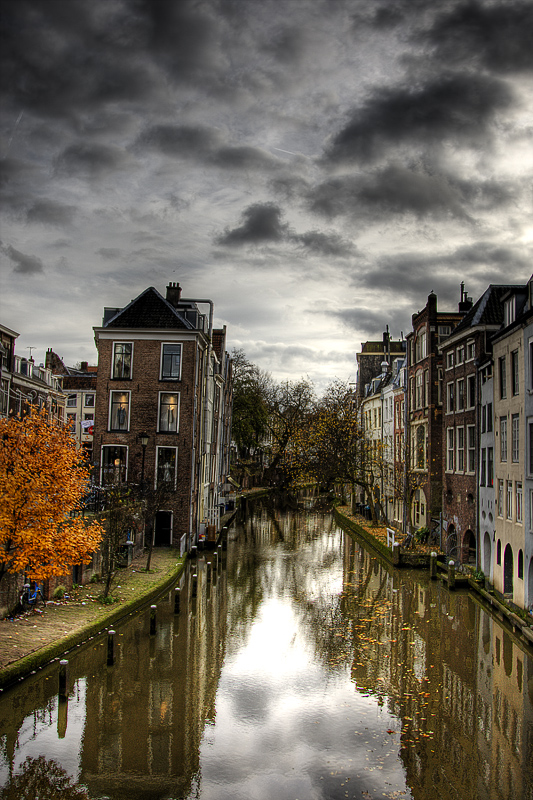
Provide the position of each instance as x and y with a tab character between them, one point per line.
503	377
483	475
420	447
483	418
119	411
114	464
489	417
471	444
72	400
503	438
122	353
449	397
166	466
460	450
509	500
470	350
490	466
460	400
449	359
518	501
420	346
168	412
471	391
89	400
500	497
460	355
515	383
170	361
419	389
450	449
515	437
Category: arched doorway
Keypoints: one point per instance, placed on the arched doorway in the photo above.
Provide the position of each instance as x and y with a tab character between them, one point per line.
487	554
469	548
508	568
419	509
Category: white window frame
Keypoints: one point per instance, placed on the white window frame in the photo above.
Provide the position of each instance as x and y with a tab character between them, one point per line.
508	500
500	497
109	420
503	439
518	501
460	355
515	438
450	449
460	395
450	397
130	377
449	359
471	449
85	403
460	440
171	378
470	391
176	429
470	350
166	447
72	401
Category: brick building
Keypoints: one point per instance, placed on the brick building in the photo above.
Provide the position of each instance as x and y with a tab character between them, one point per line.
163	405
424	409
79	385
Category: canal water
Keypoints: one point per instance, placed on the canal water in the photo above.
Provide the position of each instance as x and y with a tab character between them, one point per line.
303	669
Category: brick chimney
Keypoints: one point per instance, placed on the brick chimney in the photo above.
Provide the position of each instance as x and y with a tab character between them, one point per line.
173	294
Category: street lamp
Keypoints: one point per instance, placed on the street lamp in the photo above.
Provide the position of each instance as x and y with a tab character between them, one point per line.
143	438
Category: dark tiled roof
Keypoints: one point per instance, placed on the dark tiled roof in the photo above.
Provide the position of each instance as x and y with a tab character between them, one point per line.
488	310
149	310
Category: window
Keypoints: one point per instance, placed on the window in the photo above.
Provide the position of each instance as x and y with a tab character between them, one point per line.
168	412
443	332
531	364
483	418
449	359
471	444
460	466
515	383
470	350
460	355
114	464
449	397
89	400
460	399
122	356
521	565
530	442
499	554
420	346
503	377
420	447
509	311
471	391
170	362
119	411
489	417
490	466
426	387
419	389
439	386
166	466
515	437
518	501
500	497
72	399
71	421
483	476
450	449
509	499
503	438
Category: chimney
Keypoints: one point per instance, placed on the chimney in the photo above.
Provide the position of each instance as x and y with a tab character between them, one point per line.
465	304
84	366
173	294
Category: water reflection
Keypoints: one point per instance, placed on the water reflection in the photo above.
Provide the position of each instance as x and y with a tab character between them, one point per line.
302	669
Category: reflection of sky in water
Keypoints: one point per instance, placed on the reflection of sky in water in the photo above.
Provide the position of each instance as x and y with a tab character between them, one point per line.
286	727
38	735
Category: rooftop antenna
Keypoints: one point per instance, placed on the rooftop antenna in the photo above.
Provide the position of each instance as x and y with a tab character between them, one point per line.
30	349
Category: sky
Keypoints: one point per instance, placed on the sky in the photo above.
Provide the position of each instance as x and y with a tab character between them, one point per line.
315	167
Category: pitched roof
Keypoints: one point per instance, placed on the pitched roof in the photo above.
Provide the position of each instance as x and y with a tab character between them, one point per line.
488	310
149	310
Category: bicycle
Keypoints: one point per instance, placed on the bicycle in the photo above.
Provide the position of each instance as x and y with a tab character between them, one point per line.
31	598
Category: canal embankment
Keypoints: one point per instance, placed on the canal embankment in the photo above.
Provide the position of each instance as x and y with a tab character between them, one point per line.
31	640
419	556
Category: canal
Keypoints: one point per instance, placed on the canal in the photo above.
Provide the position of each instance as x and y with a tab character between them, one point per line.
303	669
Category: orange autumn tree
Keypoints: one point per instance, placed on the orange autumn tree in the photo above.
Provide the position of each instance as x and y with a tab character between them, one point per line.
43	478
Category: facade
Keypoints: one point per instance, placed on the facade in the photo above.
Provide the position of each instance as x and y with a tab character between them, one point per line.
510	571
162	410
79	385
25	384
424	411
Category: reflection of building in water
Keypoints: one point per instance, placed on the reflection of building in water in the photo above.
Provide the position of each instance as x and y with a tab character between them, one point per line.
461	687
146	714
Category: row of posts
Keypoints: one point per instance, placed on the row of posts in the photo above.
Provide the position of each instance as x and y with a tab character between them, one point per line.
211	567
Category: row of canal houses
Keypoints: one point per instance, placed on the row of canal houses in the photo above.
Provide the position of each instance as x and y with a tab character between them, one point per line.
155	411
451	406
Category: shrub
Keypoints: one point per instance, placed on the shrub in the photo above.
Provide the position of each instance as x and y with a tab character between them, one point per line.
59	592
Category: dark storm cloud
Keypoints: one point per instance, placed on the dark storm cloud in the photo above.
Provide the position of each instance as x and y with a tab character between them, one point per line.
24	264
262	223
449	107
372	321
92	160
14	169
287	45
394	189
49	212
499	36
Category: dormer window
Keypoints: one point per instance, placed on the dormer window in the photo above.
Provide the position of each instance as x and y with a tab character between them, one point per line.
509	311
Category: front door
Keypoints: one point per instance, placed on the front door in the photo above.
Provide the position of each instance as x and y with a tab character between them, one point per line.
163	529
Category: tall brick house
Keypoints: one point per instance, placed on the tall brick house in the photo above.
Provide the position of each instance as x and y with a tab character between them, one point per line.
79	385
468	458
424	409
161	397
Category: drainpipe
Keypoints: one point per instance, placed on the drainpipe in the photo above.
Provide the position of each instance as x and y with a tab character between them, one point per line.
406	437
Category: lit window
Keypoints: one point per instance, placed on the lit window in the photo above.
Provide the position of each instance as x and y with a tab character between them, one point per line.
119	408
166	466
168	412
114	464
122	353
